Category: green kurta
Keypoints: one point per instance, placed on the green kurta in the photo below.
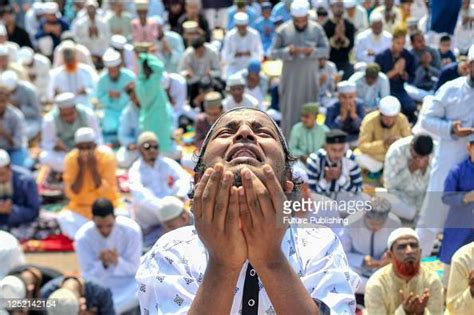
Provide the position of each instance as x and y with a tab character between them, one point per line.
155	112
304	141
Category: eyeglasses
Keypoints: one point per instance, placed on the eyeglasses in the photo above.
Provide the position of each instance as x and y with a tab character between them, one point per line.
148	146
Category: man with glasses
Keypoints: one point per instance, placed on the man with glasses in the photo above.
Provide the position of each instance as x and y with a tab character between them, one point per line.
89	174
153	177
404	286
406	174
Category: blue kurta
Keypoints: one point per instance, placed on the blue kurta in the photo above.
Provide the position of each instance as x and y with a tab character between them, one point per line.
266	29
281	11
113	107
459	226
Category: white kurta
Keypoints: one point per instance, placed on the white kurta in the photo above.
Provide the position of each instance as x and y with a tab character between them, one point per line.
11	254
170	274
96	45
453	101
234	43
178	92
367	40
126	238
62	81
40	70
49	137
247	101
83	55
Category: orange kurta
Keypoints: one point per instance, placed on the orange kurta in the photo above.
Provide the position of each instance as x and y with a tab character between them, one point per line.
81	202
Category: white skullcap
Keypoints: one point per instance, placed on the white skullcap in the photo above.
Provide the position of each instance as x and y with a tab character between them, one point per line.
84	135
12	287
141	5
389	106
66	302
65	100
470	54
50	8
3	30
171	208
165	81
3	50
235	80
111	58
335	1
118	41
11	254
25	55
10	79
360	66
92	3
4	158
299	8
349	4
375	17
399	233
346	87
241	18
38	7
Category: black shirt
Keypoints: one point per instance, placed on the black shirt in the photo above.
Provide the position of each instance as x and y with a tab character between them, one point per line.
340	55
20	36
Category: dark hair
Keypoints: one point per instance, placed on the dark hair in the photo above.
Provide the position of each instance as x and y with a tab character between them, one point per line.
200	167
415	34
445	38
198	42
321	11
102	207
6	9
422	145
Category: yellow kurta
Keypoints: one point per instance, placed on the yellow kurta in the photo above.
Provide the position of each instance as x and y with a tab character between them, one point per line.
459	300
372	134
81	203
382	295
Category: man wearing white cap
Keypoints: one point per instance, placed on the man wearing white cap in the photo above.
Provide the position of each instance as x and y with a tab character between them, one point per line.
50	29
153	177
12	46
24	96
12	129
237	96
32	20
120	20
392	15
241	6
7	64
69	40
241	45
74	76
299	43
405	286
93	32
109	249
347	113
110	92
169	46
449	116
356	14
379	129
37	67
126	50
464	31
59	127
11	253
172	214
144	29
89	174
369	42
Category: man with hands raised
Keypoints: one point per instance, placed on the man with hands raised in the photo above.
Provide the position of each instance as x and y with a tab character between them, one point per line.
240	256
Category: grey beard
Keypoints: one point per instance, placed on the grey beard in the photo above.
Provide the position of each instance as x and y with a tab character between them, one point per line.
6	190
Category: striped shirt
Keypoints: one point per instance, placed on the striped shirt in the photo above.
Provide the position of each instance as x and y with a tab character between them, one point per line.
349	181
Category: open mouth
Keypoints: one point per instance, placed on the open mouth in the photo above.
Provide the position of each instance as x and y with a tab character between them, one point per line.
244	153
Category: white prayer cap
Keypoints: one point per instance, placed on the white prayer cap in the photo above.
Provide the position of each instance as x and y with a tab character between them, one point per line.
3	30
4	159
111	58
25	55
299	8
165	81
346	87
241	18
65	100
3	50
118	41
375	17
389	106
349	4
141	5
66	302
38	7
10	79
92	3
12	287
50	8
235	80
399	233
470	54
360	66
335	1
84	135
171	208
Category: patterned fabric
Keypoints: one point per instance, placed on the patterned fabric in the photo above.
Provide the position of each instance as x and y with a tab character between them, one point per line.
171	273
350	179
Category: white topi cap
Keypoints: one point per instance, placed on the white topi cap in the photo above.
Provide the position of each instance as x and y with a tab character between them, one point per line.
399	233
171	208
65	100
389	106
346	87
12	287
118	41
111	58
4	158
10	79
84	135
25	55
375	17
299	8
241	18
50	8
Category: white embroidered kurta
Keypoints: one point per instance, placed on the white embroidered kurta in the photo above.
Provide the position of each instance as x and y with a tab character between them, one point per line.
234	43
97	44
367	40
126	238
171	273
